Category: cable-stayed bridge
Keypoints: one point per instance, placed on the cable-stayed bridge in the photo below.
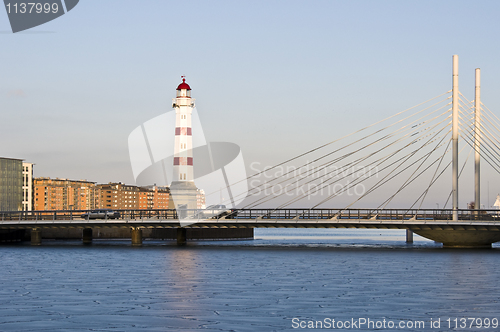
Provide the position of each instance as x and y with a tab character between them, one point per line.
410	159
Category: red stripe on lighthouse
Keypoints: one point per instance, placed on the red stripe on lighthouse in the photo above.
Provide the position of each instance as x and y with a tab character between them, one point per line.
183	131
178	161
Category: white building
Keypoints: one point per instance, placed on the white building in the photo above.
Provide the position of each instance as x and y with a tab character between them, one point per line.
27	186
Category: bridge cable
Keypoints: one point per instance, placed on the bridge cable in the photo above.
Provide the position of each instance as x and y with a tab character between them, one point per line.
434	177
382	180
416	177
487	156
408	181
336	140
486	149
350	153
486	146
351	164
386	158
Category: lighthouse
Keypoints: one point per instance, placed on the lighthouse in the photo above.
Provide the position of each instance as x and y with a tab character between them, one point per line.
183	148
183	191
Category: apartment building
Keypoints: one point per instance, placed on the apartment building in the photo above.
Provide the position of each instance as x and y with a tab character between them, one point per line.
63	194
11	184
153	197
118	196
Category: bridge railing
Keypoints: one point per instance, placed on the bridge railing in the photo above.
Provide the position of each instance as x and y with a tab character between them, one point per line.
275	214
366	214
42	215
84	215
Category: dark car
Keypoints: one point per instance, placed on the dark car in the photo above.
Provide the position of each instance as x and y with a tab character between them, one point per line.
101	214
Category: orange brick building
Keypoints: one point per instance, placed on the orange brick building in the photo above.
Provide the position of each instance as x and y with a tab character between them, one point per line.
153	198
118	196
63	194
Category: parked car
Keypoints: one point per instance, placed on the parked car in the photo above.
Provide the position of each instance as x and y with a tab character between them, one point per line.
214	210
101	214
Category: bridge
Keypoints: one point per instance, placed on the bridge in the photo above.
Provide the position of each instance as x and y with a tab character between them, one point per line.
476	228
405	154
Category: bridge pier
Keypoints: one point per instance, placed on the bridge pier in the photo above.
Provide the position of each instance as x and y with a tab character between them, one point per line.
409	236
136	235
461	238
36	236
181	236
87	235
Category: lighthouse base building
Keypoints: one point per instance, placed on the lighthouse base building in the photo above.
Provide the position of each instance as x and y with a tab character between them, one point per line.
184	196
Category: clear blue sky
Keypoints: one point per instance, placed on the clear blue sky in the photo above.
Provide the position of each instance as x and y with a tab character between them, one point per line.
275	77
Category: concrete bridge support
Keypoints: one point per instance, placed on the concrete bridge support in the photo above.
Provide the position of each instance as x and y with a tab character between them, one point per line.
409	236
87	235
462	238
181	236
36	236
136	235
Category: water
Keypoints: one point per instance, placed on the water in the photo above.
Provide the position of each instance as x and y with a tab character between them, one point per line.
282	277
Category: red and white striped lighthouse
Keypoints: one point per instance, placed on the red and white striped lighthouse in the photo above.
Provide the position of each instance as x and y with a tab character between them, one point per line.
183	150
183	191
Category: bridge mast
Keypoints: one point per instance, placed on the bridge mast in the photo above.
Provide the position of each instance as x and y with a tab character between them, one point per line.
454	138
477	140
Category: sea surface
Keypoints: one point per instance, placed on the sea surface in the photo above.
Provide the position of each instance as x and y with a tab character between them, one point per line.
282	280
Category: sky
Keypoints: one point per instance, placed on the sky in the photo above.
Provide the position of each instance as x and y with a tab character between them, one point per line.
275	77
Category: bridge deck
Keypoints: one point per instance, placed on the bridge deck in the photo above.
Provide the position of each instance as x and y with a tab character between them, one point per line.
256	223
264	218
